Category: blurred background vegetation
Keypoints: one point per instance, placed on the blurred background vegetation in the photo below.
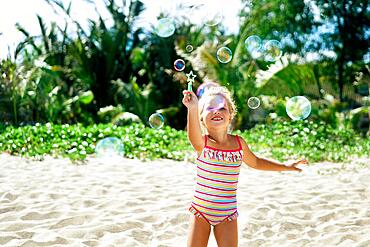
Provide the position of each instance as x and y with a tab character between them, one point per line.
102	73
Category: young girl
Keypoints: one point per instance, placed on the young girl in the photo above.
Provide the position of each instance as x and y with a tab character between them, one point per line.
218	164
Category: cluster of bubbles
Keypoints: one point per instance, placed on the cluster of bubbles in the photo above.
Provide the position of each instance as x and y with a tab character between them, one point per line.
269	50
297	108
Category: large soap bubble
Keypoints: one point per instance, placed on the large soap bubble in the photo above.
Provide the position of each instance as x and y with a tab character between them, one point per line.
109	147
298	107
164	27
205	86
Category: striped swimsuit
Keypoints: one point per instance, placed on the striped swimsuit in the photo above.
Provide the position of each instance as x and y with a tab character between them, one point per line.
217	180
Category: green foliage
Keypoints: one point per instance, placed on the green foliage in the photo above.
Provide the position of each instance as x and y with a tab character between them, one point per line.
77	141
281	140
313	141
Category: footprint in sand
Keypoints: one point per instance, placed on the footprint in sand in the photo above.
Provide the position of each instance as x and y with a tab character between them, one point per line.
76	220
11	197
26	235
58	241
40	216
6	238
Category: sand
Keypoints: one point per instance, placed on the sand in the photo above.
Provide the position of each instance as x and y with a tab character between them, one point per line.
123	202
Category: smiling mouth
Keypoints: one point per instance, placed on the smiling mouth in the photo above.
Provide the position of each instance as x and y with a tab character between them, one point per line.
217	118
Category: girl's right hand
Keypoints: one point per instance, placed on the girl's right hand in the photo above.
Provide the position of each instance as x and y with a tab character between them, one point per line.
190	100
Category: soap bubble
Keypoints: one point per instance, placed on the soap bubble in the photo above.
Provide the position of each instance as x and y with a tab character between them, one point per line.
212	15
156	120
272	50
253	43
216	103
164	28
253	102
208	13
224	55
189	48
179	65
298	107
204	87
109	147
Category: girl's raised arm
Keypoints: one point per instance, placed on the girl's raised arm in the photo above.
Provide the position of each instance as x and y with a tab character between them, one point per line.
190	100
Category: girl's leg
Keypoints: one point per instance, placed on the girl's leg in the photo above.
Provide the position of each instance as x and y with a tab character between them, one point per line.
199	231
226	233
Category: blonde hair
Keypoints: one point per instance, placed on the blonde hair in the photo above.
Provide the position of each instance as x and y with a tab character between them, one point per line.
212	91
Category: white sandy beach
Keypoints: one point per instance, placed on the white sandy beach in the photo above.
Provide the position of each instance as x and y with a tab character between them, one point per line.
125	202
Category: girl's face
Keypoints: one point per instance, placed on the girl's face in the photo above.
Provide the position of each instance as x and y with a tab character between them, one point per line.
216	113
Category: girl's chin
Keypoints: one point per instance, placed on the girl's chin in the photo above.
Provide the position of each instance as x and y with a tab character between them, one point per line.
217	124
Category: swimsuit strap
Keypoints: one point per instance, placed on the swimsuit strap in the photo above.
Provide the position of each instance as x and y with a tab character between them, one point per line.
238	139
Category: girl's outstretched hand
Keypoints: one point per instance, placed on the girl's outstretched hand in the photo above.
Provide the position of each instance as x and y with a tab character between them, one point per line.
299	162
190	100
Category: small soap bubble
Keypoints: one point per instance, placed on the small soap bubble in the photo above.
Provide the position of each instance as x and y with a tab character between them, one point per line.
179	65
298	107
156	120
189	48
253	102
224	55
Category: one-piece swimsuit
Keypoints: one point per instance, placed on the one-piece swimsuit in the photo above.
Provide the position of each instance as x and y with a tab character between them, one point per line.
216	184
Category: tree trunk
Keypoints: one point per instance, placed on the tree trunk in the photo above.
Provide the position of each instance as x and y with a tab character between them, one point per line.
340	76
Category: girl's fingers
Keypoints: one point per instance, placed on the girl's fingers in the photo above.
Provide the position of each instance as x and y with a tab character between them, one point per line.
191	93
300	162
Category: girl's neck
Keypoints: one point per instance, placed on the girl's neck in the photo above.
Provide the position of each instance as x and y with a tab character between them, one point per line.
219	137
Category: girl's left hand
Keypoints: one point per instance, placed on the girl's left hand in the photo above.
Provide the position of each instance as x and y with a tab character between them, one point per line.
299	162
